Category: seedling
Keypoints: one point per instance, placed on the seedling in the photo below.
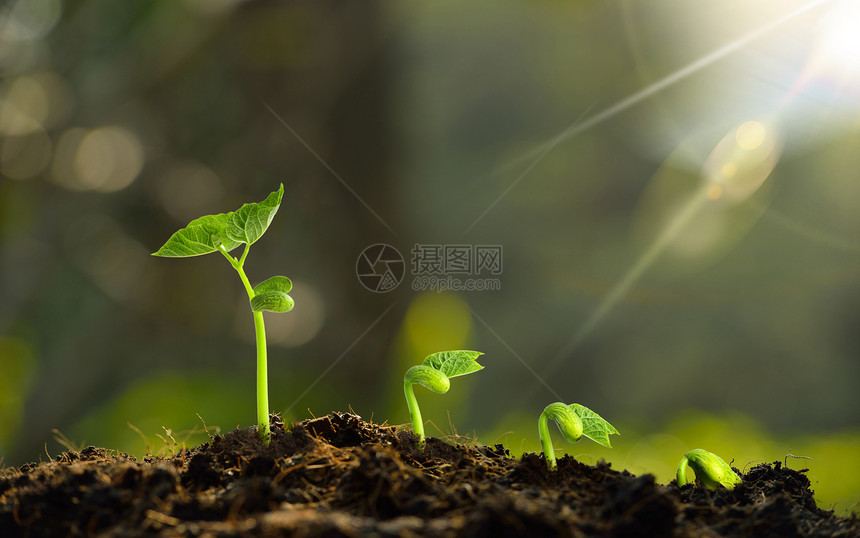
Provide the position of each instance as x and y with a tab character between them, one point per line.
435	373
710	469
574	421
223	233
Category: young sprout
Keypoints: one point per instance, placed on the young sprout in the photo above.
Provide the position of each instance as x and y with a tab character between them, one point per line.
710	469
223	233
574	421
434	373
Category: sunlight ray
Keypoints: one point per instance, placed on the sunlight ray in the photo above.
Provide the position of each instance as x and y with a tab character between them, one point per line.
623	286
658	86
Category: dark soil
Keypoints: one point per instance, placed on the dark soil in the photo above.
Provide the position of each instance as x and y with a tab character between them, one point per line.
340	476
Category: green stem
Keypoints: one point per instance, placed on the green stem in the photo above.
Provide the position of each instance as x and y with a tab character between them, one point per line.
569	424
414	413
681	474
546	441
431	378
262	380
262	367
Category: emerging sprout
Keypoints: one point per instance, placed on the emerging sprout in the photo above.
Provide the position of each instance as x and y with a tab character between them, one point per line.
434	373
223	233
710	469
574	421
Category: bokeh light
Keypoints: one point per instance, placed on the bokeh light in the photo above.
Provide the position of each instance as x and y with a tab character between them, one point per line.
28	20
107	159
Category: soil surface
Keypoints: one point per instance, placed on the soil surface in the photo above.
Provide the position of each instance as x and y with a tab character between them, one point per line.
340	476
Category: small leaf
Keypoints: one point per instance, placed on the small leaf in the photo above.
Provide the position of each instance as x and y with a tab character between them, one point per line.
276	283
593	425
202	236
454	363
272	301
271	295
249	222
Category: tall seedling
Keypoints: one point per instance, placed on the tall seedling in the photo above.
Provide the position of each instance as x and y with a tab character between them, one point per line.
223	233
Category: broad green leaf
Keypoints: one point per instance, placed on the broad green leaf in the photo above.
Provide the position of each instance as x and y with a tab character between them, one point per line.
201	236
593	426
454	363
204	234
276	283
272	301
249	222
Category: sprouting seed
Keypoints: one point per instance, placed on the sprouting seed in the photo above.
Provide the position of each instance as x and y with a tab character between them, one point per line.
435	373
710	469
573	421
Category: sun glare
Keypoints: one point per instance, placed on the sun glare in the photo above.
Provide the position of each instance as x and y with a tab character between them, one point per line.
838	44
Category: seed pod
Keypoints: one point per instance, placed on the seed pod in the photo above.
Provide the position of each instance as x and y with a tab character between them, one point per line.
710	469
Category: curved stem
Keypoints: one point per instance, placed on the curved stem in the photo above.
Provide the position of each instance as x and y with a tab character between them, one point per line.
546	441
568	422
681	473
414	413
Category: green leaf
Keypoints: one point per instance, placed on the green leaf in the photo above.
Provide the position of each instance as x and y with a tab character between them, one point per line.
273	301
202	236
593	425
454	363
249	222
276	283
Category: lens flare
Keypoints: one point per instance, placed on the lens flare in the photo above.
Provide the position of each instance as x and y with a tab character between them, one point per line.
750	135
742	161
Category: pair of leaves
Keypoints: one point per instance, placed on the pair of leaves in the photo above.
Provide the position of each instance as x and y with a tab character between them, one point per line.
593	425
206	234
271	295
454	363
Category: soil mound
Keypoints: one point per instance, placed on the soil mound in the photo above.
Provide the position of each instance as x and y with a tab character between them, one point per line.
341	476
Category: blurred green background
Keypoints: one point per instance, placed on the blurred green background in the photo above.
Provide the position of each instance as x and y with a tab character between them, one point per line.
674	186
